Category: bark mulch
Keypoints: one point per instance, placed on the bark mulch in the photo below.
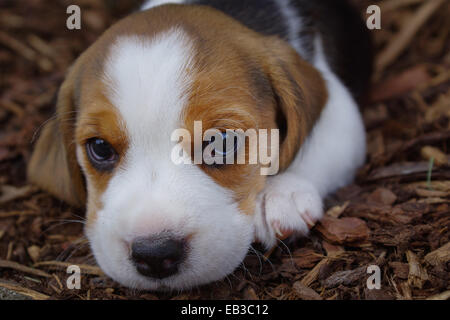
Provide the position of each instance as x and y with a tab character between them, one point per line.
396	215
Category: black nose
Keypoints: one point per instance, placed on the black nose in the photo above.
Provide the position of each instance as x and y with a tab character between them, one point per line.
157	257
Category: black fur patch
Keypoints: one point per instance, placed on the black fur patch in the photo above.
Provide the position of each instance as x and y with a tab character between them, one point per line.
346	39
263	16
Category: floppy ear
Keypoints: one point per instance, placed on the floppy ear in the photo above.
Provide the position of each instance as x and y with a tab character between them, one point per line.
300	95
53	165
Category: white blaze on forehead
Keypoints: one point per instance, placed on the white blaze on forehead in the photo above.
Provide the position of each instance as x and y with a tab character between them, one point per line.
147	82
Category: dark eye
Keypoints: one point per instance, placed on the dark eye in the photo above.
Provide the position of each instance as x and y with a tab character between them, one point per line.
227	138
101	154
230	144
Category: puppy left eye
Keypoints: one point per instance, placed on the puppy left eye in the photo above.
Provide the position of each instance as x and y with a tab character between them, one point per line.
225	147
101	154
226	137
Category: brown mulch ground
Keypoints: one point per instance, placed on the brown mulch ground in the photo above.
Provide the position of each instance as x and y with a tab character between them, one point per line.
396	215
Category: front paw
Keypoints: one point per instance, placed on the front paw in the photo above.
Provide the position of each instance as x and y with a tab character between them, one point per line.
288	206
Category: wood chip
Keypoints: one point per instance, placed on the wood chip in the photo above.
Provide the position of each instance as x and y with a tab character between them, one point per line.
314	273
405	169
33	252
305	258
24	291
10	193
401	270
381	294
305	293
343	231
406	290
250	294
347	278
400	41
382	196
331	249
58	265
439	256
17	266
429	152
426	193
337	211
440	296
400	84
417	274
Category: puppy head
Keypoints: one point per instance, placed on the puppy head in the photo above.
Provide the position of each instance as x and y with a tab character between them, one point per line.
154	224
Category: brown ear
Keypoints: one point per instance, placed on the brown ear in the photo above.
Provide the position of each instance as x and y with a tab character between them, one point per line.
300	94
53	165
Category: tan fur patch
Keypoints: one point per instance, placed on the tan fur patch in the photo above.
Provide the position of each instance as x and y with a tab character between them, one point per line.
99	120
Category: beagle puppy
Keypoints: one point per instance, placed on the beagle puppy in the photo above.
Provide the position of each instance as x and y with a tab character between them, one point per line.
296	66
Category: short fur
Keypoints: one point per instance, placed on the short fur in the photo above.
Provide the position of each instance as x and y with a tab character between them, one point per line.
232	65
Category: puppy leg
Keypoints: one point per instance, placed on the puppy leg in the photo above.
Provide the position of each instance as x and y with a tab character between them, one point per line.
288	206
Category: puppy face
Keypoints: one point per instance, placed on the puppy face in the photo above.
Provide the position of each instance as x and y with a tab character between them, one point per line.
153	224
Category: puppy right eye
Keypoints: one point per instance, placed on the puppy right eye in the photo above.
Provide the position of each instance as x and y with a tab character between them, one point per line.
101	154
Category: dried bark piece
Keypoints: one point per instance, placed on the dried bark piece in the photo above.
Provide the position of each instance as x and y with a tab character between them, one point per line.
438	109
432	186
406	291
352	277
347	278
314	273
382	196
401	41
404	169
304	292
439	256
343	231
10	193
431	193
22	268
403	213
401	270
250	294
33	252
336	211
8	294
331	249
400	84
58	265
440	296
373	117
23	291
381	294
305	258
435	200
429	152
417	274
